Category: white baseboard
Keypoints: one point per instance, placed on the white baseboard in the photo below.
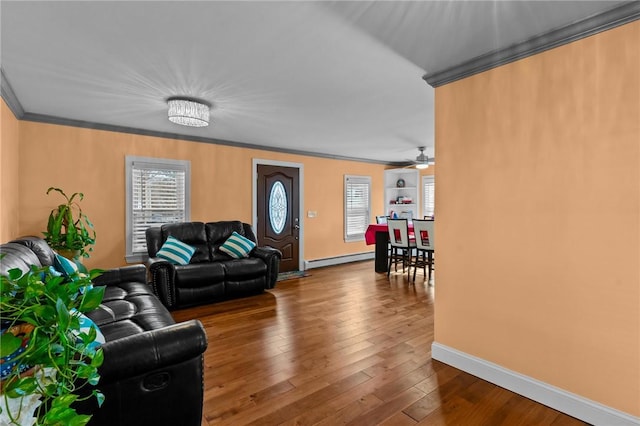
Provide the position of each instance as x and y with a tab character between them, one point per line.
574	405
330	261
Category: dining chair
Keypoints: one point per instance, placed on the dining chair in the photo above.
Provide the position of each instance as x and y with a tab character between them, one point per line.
401	245
425	247
381	219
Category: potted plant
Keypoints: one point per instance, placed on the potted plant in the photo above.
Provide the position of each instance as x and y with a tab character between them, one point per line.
69	230
47	358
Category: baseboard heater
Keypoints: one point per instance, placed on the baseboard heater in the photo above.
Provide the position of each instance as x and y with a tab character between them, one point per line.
338	260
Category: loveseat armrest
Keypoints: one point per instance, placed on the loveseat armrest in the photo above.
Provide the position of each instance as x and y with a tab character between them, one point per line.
161	278
151	350
271	257
132	273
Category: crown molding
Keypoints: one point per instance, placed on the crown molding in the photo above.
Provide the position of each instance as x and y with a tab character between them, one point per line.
10	97
619	15
48	119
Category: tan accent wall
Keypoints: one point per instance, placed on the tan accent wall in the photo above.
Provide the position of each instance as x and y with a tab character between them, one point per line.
93	162
538	207
9	173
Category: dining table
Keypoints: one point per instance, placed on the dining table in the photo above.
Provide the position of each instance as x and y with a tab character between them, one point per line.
378	234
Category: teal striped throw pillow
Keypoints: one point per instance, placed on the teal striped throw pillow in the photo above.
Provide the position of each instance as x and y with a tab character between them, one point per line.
65	266
237	246
86	324
175	251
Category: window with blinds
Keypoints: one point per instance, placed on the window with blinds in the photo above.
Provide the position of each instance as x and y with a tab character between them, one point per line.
157	193
428	195
357	202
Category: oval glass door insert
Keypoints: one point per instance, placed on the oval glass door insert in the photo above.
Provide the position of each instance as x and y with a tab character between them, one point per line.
278	207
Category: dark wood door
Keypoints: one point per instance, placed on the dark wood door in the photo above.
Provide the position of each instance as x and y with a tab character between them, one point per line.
278	209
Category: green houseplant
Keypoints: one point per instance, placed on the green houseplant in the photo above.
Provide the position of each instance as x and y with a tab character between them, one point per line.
69	230
50	357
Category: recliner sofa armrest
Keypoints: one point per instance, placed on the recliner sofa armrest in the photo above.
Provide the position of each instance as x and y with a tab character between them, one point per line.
144	352
271	257
162	277
135	273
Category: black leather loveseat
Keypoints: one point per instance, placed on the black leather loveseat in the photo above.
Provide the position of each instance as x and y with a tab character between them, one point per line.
152	370
211	274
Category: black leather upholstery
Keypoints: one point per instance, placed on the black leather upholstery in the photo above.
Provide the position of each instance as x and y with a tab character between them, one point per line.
191	233
212	275
152	370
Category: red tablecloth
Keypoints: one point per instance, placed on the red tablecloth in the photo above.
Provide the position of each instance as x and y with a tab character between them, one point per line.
370	233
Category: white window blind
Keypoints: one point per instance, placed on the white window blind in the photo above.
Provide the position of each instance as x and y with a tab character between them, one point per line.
157	193
357	206
428	195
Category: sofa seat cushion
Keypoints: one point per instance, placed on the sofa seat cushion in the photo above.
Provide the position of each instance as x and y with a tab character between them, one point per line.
201	295
250	267
127	309
199	275
245	286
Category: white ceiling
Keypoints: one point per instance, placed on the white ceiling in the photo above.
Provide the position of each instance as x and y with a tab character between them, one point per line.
340	78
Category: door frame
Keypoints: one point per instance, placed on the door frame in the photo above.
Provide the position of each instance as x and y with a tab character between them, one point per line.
254	201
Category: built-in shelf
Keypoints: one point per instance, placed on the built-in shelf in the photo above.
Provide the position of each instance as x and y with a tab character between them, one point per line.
408	189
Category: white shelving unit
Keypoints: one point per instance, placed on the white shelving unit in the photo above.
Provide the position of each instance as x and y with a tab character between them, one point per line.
404	200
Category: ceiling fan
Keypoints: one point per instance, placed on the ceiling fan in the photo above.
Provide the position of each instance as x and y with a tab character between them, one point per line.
422	161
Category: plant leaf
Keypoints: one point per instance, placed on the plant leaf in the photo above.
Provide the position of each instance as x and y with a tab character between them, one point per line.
63	315
64	400
94	273
23	386
80	420
98	358
92	299
74	195
99	397
72	232
56	229
9	344
14	274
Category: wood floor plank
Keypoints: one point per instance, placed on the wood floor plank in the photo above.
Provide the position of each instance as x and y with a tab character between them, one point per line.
310	401
344	345
388	408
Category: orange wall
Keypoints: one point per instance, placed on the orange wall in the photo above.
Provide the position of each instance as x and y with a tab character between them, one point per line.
93	162
538	205
9	175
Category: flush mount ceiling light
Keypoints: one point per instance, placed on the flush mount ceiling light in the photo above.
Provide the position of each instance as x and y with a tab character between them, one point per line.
188	112
422	161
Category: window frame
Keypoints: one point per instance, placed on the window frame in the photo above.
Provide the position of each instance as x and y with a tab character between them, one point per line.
161	164
428	180
351	179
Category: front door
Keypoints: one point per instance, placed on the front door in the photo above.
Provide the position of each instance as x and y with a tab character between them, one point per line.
277	211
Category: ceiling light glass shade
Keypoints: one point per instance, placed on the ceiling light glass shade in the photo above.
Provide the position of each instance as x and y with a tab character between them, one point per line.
188	113
422	161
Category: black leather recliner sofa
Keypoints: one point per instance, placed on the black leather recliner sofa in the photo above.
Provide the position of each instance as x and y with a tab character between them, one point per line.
211	275
152	371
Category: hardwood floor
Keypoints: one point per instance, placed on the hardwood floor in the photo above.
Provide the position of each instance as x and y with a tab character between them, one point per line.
343	346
